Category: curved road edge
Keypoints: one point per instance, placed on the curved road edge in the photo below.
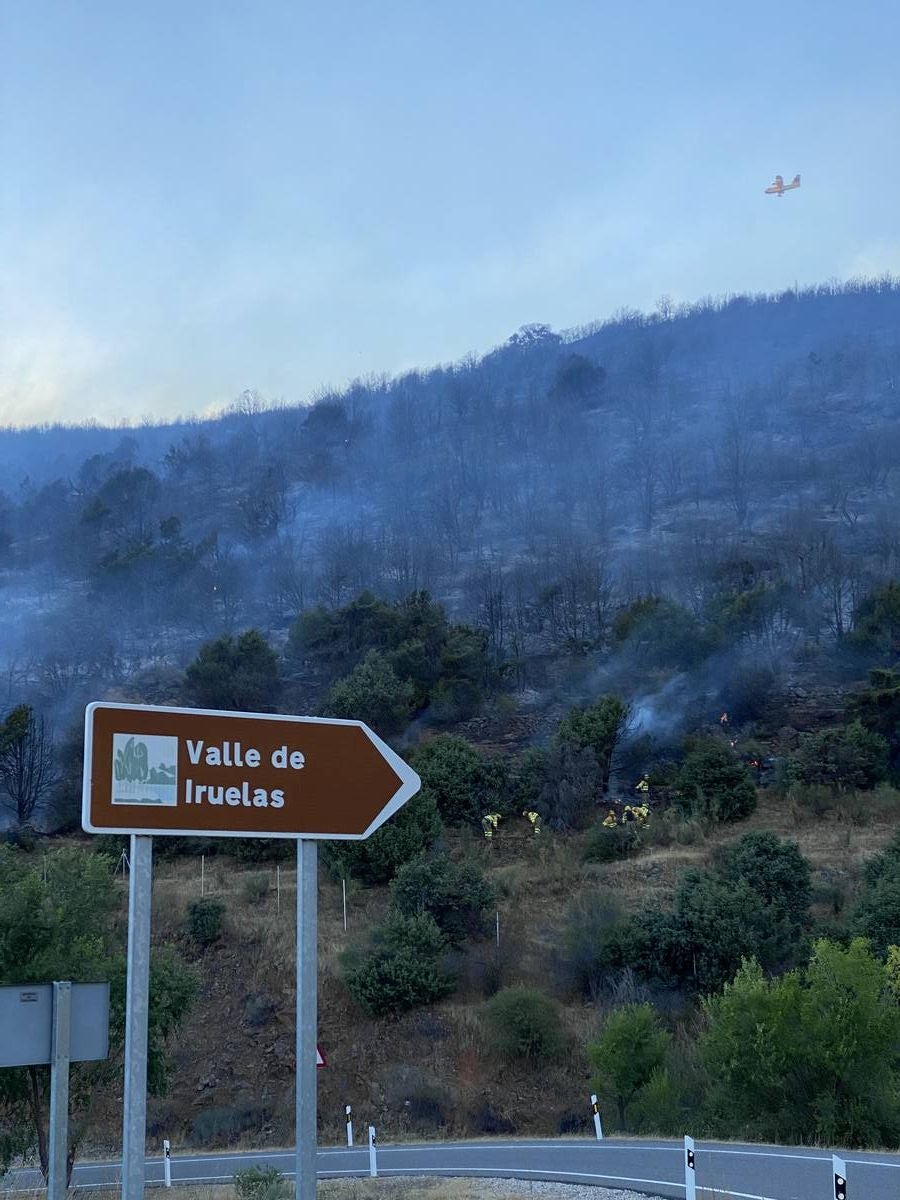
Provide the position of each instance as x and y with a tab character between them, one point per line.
653	1167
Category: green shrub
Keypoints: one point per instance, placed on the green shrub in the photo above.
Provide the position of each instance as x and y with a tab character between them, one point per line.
713	785
403	968
598	728
205	919
660	633
456	896
878	707
631	1047
409	833
876	623
876	913
608	844
756	906
463	782
255	886
262	1183
522	1023
774	869
238	674
805	1057
454	700
849	756
373	693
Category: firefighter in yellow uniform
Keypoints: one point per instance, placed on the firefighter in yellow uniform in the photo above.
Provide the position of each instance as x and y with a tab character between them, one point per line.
643	785
609	821
642	812
534	820
489	823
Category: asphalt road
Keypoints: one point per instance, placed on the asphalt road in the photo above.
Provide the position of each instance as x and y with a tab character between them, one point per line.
653	1167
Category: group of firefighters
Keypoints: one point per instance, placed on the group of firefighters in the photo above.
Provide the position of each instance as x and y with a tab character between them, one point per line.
631	814
490	822
637	814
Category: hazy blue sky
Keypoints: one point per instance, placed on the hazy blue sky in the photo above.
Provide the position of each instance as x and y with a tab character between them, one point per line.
203	196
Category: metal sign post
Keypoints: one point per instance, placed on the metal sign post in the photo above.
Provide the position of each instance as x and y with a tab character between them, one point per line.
59	1090
306	1108
137	1007
349	1126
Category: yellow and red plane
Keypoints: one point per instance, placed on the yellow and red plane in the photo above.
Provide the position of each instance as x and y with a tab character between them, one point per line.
779	187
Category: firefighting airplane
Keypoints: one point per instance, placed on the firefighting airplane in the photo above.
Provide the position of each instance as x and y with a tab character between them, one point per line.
779	187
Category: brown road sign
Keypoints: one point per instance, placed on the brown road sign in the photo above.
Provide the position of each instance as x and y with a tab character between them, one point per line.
223	774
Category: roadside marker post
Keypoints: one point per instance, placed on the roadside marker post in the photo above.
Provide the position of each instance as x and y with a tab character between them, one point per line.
690	1170
839	1175
349	1126
60	1051
595	1109
152	771
167	1162
373	1161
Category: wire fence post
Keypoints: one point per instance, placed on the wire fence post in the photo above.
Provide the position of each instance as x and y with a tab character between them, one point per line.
344	892
278	890
202	875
